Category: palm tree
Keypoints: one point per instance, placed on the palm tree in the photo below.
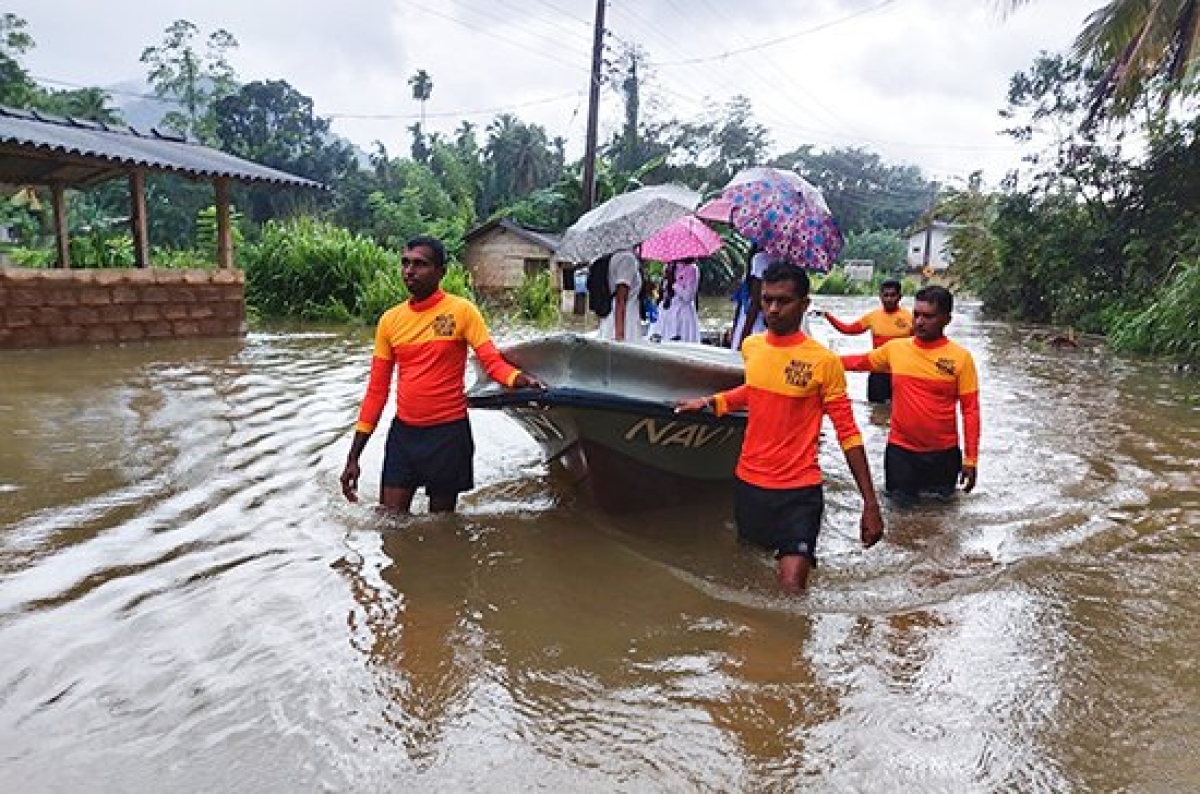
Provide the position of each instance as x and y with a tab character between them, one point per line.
1137	44
422	88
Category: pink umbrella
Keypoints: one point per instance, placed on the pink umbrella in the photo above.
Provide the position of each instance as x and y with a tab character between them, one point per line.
683	239
719	209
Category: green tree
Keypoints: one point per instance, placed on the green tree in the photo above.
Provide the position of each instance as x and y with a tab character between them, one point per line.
518	159
722	142
16	86
181	72
886	248
971	211
274	124
1138	48
863	192
79	103
422	88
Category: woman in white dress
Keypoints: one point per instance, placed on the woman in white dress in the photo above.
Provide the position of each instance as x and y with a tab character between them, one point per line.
624	322
677	317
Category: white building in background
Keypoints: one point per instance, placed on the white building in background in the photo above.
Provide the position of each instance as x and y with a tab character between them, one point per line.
928	246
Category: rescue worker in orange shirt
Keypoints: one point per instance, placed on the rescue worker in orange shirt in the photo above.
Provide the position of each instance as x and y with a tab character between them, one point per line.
792	381
890	321
426	338
933	379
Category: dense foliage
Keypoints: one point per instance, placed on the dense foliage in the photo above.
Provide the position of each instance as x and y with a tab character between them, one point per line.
1100	232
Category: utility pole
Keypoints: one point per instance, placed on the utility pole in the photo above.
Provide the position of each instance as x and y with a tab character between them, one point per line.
589	154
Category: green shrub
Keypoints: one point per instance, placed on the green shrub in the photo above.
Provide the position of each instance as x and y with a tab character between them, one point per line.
1170	325
311	269
33	257
537	299
836	282
183	259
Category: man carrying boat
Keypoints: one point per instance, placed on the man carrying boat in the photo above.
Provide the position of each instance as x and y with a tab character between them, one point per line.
932	379
426	338
792	381
890	321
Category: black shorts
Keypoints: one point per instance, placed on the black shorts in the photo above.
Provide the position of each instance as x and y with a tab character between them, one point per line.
785	521
879	387
908	473
438	457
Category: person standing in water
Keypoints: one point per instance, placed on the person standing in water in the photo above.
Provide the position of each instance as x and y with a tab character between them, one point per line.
890	321
792	381
426	338
933	380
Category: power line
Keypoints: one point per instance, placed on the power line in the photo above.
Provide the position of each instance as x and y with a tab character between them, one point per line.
779	40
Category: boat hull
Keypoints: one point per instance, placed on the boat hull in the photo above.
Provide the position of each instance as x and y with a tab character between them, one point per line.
612	425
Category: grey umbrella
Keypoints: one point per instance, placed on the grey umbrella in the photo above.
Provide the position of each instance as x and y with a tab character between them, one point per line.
626	220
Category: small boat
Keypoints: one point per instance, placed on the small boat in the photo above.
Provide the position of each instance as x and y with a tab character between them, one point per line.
608	416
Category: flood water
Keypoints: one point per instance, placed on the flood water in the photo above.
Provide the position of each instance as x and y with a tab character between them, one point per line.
187	604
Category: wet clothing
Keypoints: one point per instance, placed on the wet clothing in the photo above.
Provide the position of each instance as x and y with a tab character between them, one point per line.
879	387
909	474
791	383
427	341
784	520
929	380
884	327
438	457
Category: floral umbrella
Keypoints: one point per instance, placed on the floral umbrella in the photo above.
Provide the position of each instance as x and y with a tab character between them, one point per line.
686	238
785	215
625	220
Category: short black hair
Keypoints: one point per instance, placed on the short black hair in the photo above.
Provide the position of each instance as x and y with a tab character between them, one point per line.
433	244
891	283
938	296
785	271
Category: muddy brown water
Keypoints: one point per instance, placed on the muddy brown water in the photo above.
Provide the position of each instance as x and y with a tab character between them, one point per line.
187	604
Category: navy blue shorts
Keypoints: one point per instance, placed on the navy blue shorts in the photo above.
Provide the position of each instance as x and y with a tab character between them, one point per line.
785	520
439	458
908	474
879	387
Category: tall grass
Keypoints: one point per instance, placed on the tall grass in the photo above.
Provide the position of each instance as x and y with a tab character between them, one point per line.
314	270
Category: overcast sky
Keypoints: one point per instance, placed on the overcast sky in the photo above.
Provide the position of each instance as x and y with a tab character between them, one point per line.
919	81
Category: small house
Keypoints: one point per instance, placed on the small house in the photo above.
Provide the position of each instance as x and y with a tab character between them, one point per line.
928	246
501	253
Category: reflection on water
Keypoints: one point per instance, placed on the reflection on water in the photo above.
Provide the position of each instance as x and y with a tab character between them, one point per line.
186	603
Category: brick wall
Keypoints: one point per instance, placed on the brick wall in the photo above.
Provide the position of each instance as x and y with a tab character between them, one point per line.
39	308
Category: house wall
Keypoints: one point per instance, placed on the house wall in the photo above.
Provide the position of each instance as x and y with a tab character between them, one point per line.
42	308
497	260
939	259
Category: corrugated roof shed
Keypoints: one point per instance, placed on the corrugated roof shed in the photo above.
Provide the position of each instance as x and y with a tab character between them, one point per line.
39	149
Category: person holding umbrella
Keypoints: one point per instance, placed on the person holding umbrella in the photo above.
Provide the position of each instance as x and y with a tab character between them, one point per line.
679	246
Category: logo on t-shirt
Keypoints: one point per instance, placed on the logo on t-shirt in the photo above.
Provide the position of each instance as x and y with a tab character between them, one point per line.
945	366
443	325
798	373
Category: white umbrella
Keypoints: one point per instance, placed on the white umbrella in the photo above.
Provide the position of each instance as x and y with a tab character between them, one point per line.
626	220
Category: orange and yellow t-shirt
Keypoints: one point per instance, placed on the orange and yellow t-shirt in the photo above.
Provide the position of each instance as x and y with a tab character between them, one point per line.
929	379
427	342
883	325
791	382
